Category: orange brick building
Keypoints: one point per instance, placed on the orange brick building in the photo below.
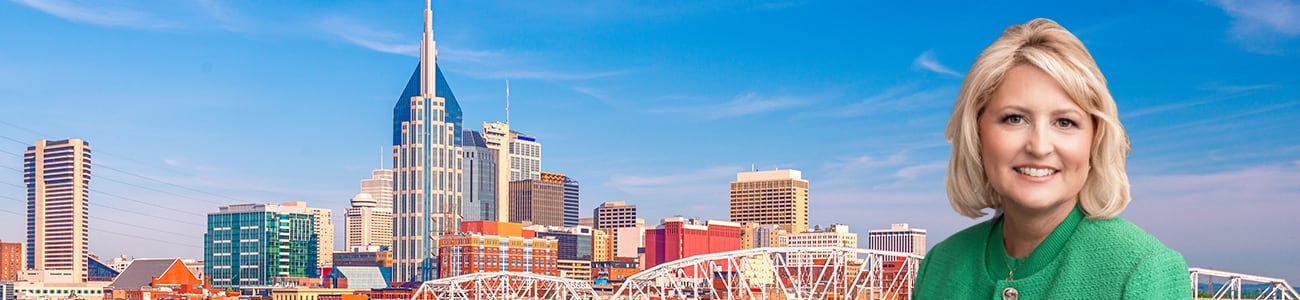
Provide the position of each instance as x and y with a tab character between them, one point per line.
488	246
11	260
165	279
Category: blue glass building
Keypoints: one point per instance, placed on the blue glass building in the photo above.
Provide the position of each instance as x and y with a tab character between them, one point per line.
428	178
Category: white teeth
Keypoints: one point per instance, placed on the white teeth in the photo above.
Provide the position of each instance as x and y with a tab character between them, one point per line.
1036	172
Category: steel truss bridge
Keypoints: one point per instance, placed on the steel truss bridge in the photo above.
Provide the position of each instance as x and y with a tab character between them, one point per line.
1231	285
787	273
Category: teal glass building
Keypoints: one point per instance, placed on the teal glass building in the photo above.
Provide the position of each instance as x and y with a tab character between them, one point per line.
250	244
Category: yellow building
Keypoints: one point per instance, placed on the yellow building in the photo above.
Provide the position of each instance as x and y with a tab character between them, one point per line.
303	293
775	197
602	245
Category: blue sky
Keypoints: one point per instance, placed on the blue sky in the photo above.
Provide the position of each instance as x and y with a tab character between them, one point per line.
191	104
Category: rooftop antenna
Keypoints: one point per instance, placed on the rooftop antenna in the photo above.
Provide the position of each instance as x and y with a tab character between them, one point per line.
507	101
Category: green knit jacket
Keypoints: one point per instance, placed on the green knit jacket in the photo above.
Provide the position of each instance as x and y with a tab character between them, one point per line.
1080	259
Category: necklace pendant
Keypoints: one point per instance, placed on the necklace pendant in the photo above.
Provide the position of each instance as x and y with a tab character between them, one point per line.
1010	293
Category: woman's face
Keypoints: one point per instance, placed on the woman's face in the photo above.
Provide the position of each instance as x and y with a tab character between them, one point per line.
1035	142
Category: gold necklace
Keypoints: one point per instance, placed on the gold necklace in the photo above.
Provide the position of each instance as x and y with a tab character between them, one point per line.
1010	293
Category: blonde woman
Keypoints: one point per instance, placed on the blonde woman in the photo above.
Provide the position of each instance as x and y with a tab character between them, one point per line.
1036	137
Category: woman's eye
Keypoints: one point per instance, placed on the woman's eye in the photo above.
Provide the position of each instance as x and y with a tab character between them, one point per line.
1065	123
1013	119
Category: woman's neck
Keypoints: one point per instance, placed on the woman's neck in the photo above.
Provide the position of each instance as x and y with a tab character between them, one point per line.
1023	230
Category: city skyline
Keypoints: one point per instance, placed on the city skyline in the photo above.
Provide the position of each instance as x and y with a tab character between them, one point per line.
659	107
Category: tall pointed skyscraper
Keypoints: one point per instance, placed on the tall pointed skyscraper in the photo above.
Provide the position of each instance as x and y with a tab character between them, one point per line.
427	165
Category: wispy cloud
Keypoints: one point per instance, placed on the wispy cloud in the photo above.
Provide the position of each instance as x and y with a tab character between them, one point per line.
642	183
224	15
678	193
542	74
599	95
1259	199
915	171
362	35
902	97
1258	24
928	62
99	14
741	105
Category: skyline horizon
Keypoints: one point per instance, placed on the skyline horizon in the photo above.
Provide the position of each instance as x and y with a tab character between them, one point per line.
866	127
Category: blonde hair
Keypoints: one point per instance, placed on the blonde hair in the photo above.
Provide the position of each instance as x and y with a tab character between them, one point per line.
1044	44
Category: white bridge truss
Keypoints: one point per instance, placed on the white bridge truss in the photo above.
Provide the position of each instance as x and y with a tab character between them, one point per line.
1231	285
504	285
773	273
779	273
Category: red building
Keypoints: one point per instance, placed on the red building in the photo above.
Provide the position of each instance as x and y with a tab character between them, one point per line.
11	260
679	238
487	246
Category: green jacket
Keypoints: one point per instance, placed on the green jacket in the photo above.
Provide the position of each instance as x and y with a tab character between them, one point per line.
1080	259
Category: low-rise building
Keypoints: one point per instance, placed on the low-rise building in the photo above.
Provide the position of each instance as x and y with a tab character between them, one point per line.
490	246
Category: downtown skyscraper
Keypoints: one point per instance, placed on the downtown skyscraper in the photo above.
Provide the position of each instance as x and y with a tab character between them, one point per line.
57	176
370	219
427	165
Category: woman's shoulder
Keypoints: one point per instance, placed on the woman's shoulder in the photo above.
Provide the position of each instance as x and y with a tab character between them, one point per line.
1130	257
1117	234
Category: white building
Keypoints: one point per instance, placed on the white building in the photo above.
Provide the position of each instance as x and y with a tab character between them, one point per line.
369	222
898	238
57	175
836	235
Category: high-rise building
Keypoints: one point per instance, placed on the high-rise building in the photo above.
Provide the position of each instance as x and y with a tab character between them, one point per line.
570	201
323	227
497	136
525	157
57	175
11	260
679	238
614	214
898	238
369	222
539	201
518	157
480	179
380	187
778	197
251	244
427	166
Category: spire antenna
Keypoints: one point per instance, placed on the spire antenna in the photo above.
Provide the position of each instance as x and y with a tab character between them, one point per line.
428	54
507	101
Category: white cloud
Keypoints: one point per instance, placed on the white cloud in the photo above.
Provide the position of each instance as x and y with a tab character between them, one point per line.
1256	24
927	61
99	14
